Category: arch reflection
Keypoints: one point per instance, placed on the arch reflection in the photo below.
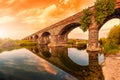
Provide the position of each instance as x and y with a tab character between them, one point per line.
58	56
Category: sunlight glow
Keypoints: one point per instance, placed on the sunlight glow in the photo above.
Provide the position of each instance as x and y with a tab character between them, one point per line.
2	33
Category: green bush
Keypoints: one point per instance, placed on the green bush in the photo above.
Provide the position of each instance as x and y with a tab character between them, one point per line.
103	8
85	19
102	41
111	44
114	34
81	45
111	47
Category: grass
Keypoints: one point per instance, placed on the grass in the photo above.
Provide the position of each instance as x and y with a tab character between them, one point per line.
8	44
78	43
25	43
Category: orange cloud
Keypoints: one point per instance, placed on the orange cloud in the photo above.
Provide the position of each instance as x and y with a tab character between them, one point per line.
6	19
34	15
60	10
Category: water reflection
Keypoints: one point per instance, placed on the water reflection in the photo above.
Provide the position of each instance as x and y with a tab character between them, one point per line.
86	68
80	57
22	64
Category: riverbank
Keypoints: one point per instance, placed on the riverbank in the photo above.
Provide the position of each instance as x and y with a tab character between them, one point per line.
111	67
8	44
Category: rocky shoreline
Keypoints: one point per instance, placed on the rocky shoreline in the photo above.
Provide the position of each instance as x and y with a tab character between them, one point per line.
111	67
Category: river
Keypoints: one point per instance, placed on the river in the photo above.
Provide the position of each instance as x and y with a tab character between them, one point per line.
55	63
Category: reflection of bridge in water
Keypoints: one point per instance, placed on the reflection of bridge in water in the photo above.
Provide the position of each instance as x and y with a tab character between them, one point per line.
58	56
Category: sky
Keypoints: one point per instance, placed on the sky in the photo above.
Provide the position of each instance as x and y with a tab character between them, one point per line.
20	18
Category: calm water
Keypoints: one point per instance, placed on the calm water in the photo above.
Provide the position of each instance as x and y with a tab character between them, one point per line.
56	63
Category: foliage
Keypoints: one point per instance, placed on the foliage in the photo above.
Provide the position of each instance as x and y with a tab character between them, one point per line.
102	41
85	20
81	45
78	43
110	47
114	34
103	8
8	44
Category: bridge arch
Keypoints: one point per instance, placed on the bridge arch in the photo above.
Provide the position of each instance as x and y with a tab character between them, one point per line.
35	37
105	29
63	34
68	28
44	34
45	38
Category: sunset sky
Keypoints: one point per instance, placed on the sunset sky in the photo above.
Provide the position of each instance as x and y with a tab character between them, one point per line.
19	18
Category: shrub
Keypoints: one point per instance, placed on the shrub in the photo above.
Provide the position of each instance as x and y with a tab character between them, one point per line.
81	45
102	41
114	34
111	47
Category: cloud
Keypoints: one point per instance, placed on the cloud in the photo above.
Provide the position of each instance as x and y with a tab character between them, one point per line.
37	16
53	13
10	1
49	11
34	15
6	19
64	1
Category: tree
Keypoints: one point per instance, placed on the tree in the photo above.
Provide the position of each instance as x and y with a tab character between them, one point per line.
85	20
102	41
114	34
103	8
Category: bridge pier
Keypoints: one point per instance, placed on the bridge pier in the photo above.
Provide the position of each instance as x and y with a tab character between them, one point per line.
93	40
63	39
58	40
44	40
53	40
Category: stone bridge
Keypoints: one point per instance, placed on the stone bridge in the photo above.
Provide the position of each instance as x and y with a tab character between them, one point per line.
57	34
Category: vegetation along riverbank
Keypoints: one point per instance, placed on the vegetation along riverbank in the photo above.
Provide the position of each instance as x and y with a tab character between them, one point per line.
111	44
8	44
